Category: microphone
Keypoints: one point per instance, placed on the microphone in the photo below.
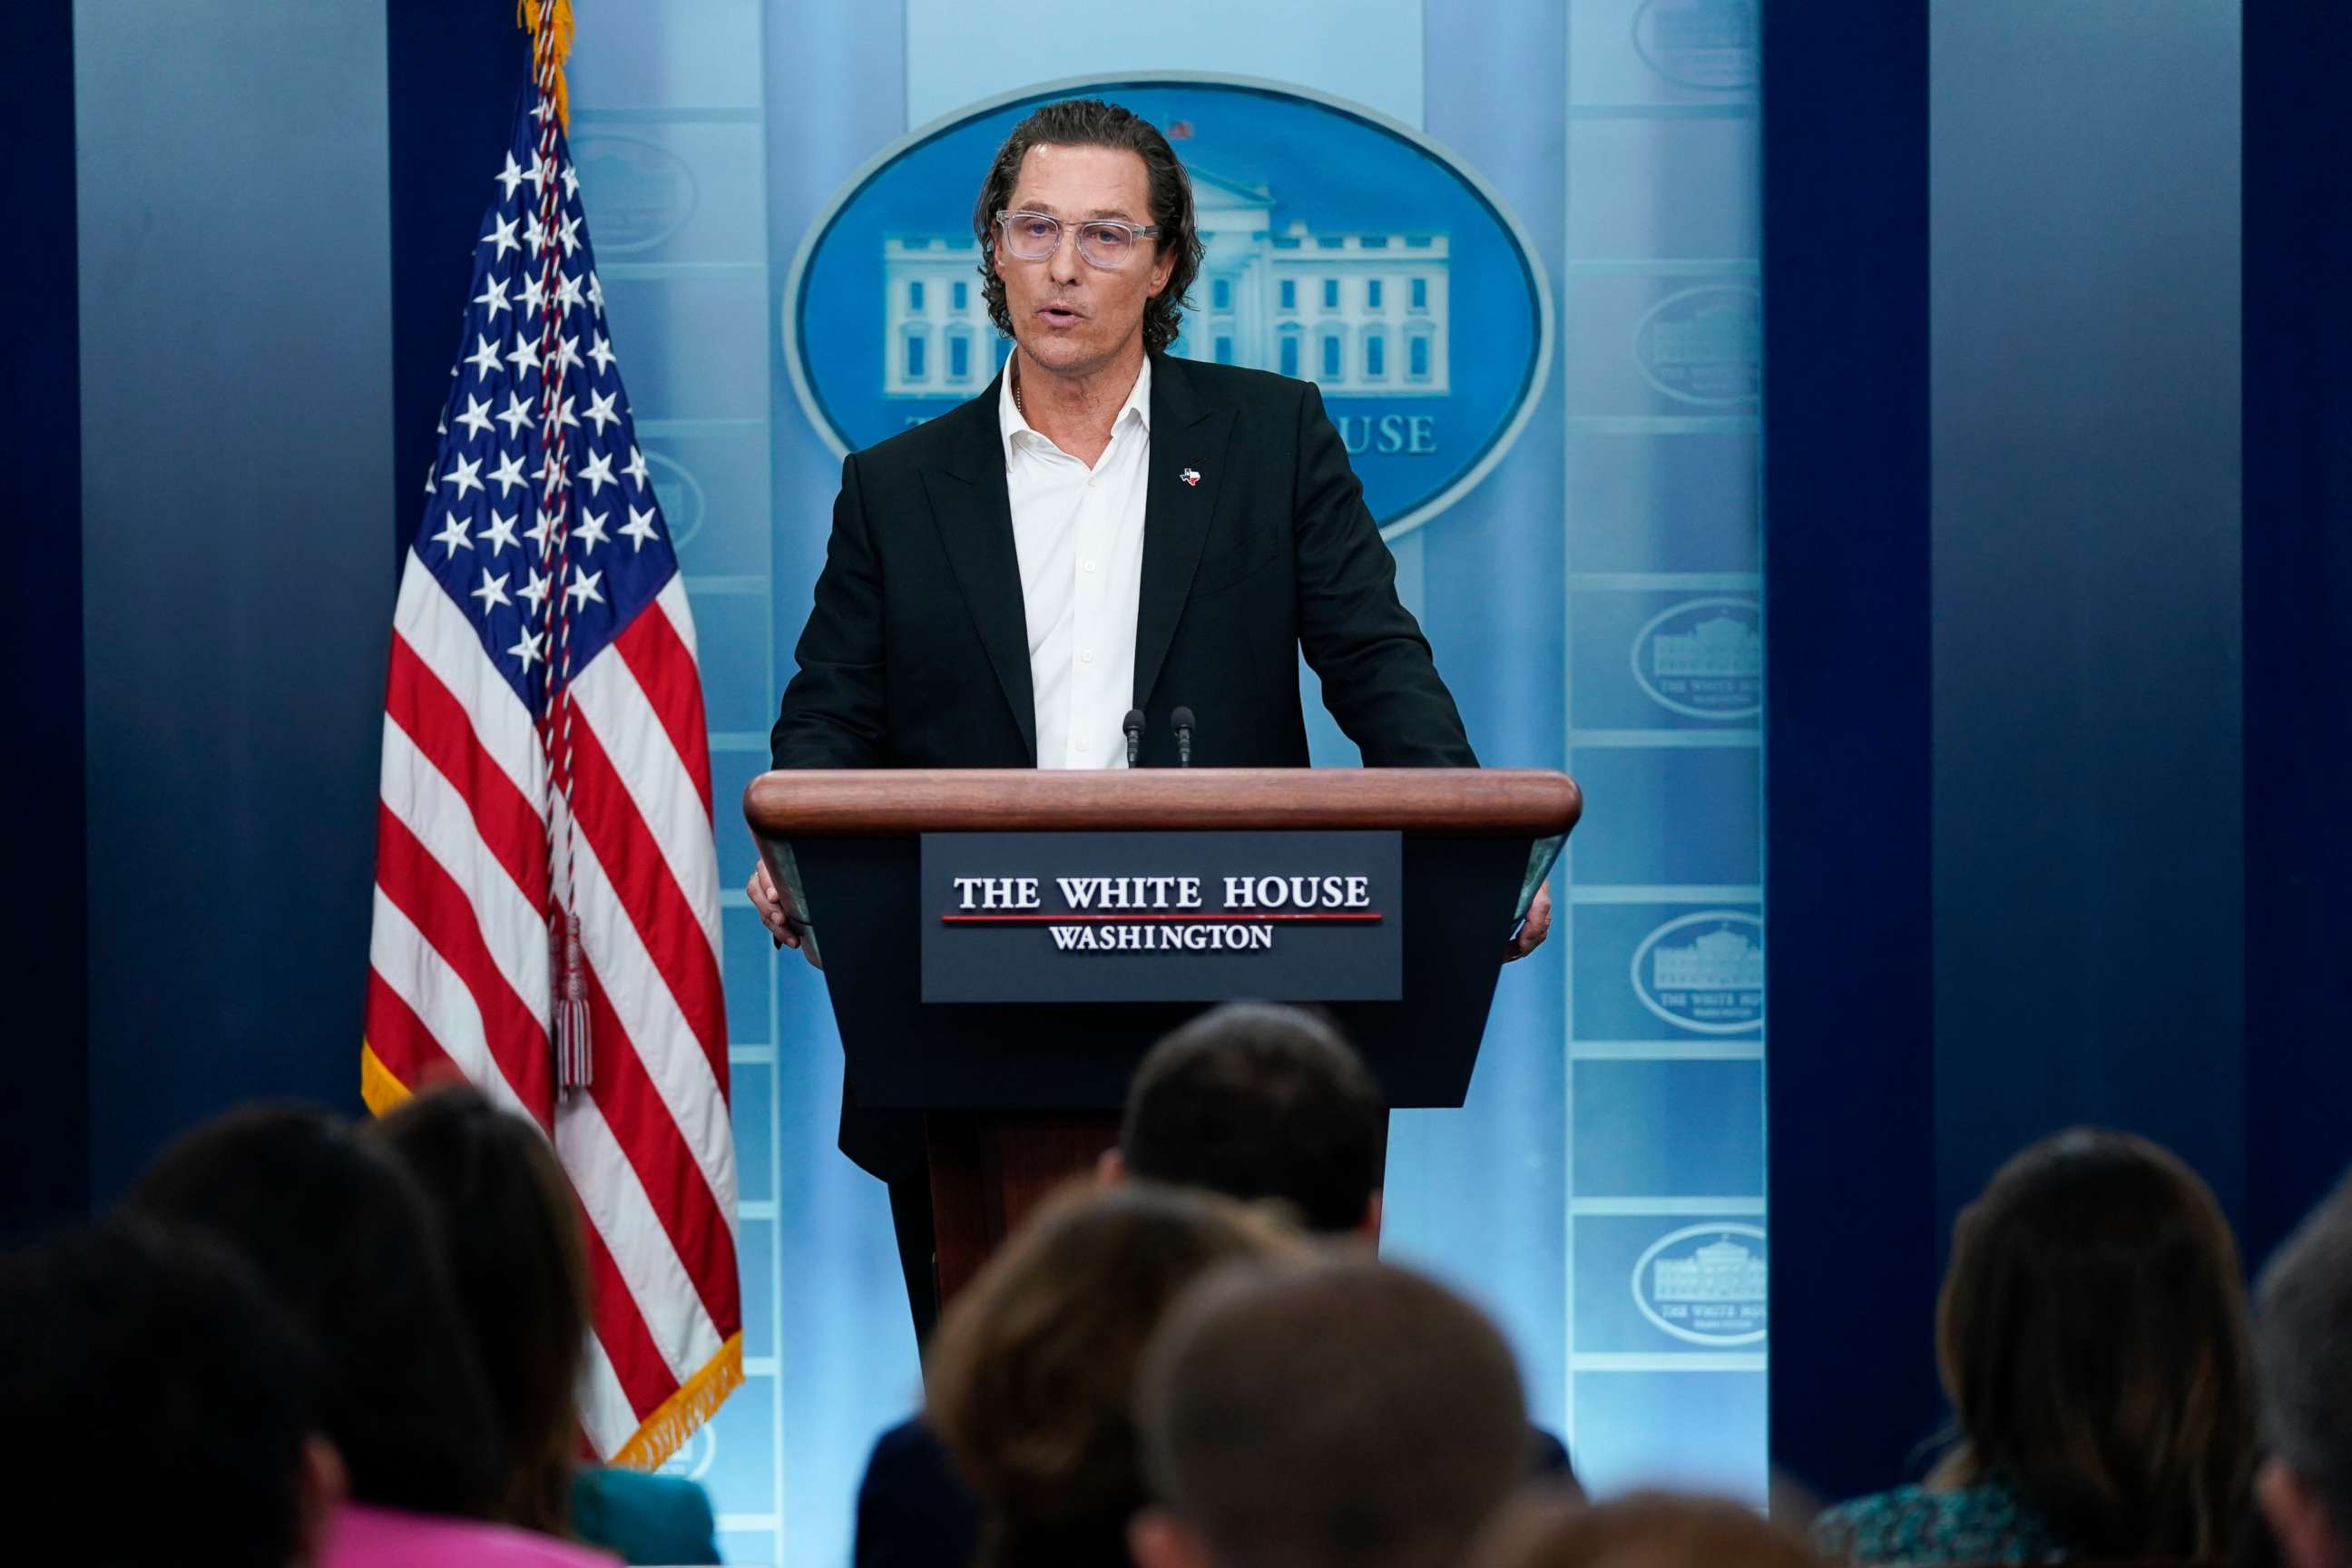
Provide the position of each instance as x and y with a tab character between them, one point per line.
1182	719
1133	725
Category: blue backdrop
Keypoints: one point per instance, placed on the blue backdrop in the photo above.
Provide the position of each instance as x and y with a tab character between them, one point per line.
1593	599
234	618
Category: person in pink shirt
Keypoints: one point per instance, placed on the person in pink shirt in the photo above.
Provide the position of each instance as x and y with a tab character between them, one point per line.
344	1242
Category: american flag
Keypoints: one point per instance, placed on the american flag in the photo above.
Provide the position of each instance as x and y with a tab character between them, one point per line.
542	652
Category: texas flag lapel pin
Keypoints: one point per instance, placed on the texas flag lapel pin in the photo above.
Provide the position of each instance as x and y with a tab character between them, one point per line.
1191	476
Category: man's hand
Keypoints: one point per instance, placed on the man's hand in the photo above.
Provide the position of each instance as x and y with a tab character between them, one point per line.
1534	929
782	921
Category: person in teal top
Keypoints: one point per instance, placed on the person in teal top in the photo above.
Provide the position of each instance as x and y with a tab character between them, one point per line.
510	1233
645	1518
2091	1338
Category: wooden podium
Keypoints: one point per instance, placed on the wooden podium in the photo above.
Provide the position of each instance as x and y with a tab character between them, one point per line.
1017	1097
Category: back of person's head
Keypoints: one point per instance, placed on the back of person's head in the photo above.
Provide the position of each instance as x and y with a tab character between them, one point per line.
1256	1101
1344	1412
2093	1338
1645	1530
1032	1372
156	1398
344	1242
2302	1332
519	1268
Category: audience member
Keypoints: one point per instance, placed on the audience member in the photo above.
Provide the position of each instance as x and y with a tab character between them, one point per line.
510	1231
1256	1101
1647	1530
154	1371
1252	1101
1032	1373
1346	1414
2093	1340
346	1244
2302	1337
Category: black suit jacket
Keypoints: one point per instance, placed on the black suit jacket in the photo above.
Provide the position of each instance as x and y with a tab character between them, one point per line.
916	654
917	650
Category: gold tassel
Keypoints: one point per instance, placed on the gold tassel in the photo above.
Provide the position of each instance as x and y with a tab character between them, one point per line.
526	17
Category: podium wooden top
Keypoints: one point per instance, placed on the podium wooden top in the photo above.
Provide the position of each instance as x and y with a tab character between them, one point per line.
1464	803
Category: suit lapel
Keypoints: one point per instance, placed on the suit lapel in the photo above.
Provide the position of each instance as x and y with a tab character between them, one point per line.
970	505
1186	438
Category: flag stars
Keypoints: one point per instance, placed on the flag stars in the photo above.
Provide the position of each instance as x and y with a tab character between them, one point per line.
476	416
603	354
535	591
525	355
534	294
636	470
501	535
452	537
597	472
600	409
539	173
515	416
494	295
510	176
534	234
567	292
467	474
508	475
526	648
502	234
569	236
582	590
570	182
639	530
567	353
492	593
592	530
485	357
542	528
595	293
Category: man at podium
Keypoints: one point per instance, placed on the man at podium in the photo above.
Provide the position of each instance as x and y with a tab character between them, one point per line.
1112	557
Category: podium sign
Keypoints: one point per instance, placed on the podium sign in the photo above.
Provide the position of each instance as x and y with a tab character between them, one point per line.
1162	917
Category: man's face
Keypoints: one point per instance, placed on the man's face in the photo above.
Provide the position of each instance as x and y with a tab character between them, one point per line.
1070	316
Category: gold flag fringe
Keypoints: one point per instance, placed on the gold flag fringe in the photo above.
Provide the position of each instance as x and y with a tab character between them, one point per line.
697	1399
558	20
377	1085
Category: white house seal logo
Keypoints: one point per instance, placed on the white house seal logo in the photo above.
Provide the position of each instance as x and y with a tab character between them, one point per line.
1339	243
1704	659
1704	971
1705	1284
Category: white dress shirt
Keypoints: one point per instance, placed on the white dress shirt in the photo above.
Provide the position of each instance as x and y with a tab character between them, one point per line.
1079	532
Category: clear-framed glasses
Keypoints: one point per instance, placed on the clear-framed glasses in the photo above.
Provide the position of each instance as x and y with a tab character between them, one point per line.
1104	241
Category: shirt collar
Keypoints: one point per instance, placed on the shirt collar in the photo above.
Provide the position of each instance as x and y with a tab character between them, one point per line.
1011	423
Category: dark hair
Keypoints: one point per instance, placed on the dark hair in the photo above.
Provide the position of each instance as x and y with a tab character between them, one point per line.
342	1238
1030	1377
2302	1334
1091	122
1643	1530
519	1268
159	1364
1347	1412
1256	1101
2092	1336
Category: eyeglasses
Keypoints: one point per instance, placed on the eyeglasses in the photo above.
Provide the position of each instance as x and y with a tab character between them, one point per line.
1105	242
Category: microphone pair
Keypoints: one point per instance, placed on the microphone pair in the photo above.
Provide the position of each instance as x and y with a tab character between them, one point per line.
1182	721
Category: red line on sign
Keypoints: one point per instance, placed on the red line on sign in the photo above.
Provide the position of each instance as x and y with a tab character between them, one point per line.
1232	920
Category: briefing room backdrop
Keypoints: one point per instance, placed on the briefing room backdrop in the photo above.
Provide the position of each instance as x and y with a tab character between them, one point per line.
1518	249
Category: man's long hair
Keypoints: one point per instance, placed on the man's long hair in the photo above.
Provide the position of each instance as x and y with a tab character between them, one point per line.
1091	122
